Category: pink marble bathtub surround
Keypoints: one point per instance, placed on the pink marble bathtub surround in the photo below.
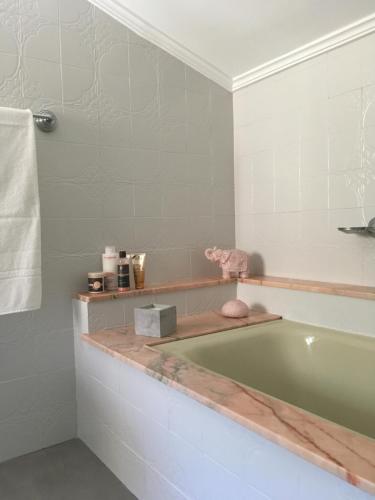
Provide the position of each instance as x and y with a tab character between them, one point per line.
338	450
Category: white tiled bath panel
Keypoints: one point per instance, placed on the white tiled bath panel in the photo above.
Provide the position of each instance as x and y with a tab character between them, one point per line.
305	165
142	153
164	445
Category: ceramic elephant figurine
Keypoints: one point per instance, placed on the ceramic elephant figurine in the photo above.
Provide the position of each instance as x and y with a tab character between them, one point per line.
232	262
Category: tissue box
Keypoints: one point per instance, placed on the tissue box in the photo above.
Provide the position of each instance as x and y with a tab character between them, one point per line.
155	320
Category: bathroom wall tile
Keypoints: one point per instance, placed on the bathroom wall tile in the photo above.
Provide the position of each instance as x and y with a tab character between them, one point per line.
146	129
208	298
143	77
77	124
196	81
73	51
79	86
83	200
119	101
73	11
108	31
173	135
56	351
21	397
177	299
19	436
78	163
197	137
171	71
166	266
343	69
159	488
222	168
57	424
201	231
198	105
115	130
198	166
119	232
223	230
84	237
261	197
314	192
146	401
40	40
146	166
105	315
174	168
315	156
41	79
175	233
263	167
9	29
176	201
344	190
148	200
46	11
173	102
116	164
202	198
287	194
117	200
147	233
244	185
223	202
200	266
17	358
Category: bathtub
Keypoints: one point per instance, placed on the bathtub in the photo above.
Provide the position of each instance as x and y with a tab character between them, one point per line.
326	372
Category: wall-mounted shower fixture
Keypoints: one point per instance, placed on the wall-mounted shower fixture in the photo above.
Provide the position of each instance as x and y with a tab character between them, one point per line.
363	230
45	120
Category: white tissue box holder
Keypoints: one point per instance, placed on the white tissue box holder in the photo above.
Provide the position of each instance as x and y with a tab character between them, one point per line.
155	320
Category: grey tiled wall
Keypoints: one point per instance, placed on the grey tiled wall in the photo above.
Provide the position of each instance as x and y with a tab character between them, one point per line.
142	158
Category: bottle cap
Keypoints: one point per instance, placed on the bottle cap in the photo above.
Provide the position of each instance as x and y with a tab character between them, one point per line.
110	250
122	254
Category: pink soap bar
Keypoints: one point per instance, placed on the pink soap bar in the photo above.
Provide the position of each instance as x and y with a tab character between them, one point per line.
235	309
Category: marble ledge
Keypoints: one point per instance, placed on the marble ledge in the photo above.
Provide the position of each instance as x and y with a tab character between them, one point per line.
345	453
342	289
153	289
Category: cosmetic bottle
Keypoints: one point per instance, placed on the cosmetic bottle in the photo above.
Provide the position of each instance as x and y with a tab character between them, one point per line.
110	260
123	272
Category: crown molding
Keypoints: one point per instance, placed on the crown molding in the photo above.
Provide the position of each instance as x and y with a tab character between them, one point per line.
335	39
118	11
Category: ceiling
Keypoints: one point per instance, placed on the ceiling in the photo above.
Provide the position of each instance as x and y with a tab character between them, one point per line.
235	37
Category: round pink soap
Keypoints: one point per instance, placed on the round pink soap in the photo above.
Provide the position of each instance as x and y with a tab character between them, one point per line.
235	309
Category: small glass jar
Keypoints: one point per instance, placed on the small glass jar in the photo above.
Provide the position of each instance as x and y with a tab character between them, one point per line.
95	282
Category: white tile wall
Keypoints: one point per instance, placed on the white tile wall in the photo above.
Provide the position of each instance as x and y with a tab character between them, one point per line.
305	164
132	163
165	446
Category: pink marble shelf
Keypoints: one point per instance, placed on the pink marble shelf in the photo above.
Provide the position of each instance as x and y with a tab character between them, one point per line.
347	454
153	289
356	291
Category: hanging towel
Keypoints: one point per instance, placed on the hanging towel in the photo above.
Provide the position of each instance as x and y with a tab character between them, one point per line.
20	255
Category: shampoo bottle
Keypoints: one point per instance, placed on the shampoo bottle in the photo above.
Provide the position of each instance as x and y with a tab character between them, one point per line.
123	272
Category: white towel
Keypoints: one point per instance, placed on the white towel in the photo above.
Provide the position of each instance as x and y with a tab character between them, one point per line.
20	255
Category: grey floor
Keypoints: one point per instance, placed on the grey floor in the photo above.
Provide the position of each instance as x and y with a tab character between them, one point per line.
68	471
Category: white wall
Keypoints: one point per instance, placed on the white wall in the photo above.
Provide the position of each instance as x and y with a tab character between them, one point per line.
305	164
142	158
166	446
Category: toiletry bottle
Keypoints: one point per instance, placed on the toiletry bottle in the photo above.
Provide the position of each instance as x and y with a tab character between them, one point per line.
123	272
110	260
